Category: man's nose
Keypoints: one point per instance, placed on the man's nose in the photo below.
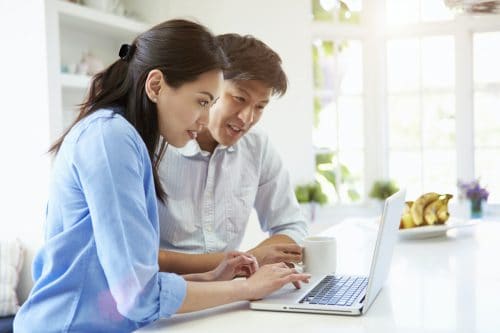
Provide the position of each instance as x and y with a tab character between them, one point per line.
246	115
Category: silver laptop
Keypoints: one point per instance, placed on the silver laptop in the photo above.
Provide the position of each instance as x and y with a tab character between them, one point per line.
345	295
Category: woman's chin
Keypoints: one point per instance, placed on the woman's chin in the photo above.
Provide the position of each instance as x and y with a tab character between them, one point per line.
179	142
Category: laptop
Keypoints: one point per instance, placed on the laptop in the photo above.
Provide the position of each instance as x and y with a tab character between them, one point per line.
344	295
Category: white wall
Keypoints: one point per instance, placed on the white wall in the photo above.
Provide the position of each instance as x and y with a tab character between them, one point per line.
24	124
282	24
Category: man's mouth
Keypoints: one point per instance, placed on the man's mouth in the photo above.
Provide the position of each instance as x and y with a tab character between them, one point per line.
234	128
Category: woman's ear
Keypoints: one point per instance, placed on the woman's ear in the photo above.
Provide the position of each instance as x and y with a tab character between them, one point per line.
154	83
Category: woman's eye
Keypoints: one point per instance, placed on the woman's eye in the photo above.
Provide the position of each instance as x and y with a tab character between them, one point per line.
239	99
204	103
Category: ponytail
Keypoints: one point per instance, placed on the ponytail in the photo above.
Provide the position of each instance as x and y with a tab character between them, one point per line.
180	49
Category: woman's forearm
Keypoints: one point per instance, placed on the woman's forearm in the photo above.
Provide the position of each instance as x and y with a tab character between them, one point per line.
203	295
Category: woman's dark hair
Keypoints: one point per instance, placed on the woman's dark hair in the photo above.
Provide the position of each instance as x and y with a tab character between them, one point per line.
251	59
180	49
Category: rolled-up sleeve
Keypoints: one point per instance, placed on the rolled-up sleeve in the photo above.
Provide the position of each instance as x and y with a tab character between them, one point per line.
115	174
172	288
275	203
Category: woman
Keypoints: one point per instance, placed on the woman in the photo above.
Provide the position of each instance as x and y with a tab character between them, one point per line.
98	269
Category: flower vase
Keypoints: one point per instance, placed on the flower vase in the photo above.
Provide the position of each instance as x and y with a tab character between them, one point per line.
476	208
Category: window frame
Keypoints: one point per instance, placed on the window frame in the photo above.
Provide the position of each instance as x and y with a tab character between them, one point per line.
374	37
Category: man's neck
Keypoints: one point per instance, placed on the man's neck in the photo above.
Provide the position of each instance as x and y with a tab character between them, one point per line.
206	141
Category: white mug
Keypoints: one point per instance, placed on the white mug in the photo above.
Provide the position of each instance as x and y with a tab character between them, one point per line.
320	255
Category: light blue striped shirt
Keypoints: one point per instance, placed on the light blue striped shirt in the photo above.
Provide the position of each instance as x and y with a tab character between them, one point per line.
209	210
98	268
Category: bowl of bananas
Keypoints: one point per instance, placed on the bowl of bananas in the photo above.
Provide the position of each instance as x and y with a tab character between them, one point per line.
427	217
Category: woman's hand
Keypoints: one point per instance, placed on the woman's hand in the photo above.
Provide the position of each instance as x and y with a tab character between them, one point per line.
234	264
272	277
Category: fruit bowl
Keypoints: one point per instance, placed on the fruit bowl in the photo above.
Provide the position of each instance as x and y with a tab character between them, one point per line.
437	230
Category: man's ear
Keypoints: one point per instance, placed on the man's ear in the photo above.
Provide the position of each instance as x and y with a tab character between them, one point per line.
154	83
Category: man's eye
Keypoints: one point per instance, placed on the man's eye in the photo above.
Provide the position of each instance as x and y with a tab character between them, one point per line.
239	99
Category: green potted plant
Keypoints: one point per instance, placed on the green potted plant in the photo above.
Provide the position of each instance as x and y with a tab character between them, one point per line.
309	195
382	189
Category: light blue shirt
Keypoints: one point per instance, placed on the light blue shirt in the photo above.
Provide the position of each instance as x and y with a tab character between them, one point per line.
98	268
210	196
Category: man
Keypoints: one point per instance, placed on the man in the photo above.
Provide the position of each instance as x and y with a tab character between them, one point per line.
213	183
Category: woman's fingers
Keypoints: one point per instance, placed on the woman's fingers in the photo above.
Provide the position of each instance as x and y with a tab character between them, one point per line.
249	259
288	274
233	254
243	264
296	278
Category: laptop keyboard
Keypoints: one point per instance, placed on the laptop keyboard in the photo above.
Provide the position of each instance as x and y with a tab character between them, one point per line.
336	290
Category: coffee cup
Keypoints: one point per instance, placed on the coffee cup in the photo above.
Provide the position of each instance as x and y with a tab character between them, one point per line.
319	255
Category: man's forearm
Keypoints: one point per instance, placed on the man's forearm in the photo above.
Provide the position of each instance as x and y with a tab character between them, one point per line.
184	263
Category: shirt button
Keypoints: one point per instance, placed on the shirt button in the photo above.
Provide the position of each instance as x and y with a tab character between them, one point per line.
209	228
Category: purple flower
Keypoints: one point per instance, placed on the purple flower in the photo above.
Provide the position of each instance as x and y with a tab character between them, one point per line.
473	190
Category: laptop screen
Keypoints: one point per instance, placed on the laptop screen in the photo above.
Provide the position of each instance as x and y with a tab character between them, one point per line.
386	239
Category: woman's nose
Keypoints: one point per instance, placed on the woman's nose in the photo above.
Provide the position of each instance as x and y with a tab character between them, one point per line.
203	119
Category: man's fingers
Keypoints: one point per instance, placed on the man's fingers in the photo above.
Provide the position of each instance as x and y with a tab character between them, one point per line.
288	257
289	248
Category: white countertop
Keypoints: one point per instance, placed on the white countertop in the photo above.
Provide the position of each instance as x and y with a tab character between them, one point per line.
446	284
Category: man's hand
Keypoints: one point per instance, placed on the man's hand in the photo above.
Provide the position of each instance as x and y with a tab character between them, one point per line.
275	253
235	264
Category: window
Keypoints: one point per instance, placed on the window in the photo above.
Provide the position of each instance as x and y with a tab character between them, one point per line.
428	81
413	11
421	111
487	111
338	110
347	11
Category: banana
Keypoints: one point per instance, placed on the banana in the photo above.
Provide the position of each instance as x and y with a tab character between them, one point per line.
430	211
442	213
406	220
417	209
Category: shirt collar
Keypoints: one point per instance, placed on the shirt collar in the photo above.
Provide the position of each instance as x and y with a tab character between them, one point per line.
192	148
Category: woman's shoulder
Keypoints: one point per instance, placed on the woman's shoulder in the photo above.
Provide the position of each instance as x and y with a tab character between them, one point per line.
102	123
104	130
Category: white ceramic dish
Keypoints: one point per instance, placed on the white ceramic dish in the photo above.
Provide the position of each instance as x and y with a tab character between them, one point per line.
430	231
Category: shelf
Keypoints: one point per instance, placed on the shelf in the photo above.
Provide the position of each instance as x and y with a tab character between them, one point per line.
89	19
74	81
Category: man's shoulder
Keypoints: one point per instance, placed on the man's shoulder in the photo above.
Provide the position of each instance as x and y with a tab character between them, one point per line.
255	138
